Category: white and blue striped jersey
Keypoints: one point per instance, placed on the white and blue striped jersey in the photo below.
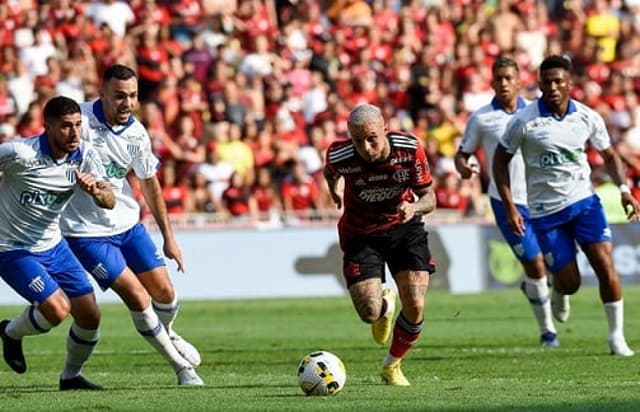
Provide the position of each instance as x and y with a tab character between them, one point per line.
35	188
121	150
557	170
485	128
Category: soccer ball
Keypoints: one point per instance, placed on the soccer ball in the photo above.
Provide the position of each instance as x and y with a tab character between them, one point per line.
321	373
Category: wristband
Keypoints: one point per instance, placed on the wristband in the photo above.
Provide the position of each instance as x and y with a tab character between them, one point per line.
624	189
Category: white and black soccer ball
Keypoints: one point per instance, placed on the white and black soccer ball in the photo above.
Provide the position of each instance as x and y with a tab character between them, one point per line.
321	373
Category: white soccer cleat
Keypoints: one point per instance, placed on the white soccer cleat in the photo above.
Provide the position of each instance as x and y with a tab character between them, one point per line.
187	376
185	349
619	347
560	306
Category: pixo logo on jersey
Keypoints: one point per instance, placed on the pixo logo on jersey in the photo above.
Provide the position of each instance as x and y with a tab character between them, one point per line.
36	198
115	171
565	156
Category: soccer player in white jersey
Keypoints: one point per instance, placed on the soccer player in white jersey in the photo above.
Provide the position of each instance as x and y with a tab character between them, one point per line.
551	133
41	175
484	128
113	245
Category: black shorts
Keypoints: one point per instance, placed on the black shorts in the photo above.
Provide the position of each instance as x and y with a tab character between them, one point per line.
403	247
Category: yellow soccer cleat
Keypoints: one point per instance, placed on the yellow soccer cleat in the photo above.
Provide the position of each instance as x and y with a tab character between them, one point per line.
381	328
392	375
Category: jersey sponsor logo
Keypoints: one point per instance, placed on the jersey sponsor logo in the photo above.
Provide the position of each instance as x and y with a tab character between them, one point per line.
380	194
348	170
37	284
35	163
550	159
401	175
401	158
377	178
37	198
360	182
115	171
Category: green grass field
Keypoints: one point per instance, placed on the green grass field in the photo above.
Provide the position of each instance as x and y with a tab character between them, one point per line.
477	353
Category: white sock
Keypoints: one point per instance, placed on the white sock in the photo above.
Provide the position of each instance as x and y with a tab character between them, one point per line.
537	291
30	322
149	326
391	360
615	318
80	344
167	312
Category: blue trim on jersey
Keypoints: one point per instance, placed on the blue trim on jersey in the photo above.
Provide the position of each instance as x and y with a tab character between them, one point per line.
546	112
521	103
99	113
46	149
525	248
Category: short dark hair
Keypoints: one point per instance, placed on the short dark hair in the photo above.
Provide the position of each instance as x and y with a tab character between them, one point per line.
557	62
119	72
60	106
504	62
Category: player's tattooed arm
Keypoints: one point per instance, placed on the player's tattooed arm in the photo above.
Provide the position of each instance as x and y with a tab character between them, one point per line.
100	190
426	202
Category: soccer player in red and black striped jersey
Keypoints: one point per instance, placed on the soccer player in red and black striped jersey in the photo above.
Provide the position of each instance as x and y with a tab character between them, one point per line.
387	189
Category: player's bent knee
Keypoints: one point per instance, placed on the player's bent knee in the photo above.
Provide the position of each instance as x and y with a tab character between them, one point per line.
369	313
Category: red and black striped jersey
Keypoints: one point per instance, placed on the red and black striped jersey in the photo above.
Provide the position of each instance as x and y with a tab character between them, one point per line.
373	191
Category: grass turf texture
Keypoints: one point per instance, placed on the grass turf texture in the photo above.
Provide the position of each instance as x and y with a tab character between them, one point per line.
477	353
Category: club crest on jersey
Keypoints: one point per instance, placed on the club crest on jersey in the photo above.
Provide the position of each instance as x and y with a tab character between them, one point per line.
70	174
401	175
133	149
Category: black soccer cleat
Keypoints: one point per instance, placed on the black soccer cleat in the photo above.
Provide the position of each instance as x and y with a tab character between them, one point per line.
12	350
78	383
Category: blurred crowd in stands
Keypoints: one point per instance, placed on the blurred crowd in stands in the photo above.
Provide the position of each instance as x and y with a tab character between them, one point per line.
242	97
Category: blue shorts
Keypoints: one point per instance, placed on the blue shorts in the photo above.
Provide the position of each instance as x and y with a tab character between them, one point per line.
106	257
526	247
583	222
37	275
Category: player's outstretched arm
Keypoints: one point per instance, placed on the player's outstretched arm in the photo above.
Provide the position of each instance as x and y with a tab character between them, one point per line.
615	167
152	193
100	190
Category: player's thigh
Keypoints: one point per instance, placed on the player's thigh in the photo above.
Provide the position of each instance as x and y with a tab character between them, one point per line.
590	225
146	261
140	252
409	250
131	291
101	257
558	248
526	247
68	272
362	260
24	272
